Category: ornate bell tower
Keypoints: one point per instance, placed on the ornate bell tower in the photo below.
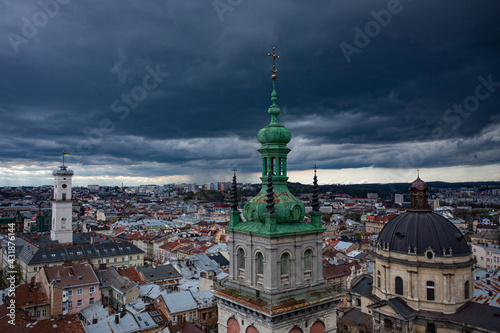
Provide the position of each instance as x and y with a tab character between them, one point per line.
62	230
276	274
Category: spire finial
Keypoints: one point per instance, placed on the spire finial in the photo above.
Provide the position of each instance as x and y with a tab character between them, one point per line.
315	196
234	193
274	110
418	173
270	194
274	70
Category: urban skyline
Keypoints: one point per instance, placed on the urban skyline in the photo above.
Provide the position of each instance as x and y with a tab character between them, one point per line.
169	92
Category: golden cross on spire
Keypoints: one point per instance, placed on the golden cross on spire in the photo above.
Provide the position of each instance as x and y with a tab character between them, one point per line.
274	70
315	168
234	170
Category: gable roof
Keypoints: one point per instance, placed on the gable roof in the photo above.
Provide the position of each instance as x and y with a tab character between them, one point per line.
159	273
69	275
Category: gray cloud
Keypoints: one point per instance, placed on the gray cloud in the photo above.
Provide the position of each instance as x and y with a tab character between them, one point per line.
392	97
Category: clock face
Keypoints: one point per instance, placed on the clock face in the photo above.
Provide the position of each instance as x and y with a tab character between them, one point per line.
64	185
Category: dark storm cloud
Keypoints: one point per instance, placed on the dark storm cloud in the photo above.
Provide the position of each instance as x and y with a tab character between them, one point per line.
68	84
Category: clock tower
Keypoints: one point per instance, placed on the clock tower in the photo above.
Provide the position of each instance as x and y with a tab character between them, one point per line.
62	230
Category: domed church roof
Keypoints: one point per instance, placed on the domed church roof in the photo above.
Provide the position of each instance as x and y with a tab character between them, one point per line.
417	231
418	184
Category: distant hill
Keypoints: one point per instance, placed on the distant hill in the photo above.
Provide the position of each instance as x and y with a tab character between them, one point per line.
386	191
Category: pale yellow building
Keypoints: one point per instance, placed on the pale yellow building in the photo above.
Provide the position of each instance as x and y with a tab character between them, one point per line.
422	278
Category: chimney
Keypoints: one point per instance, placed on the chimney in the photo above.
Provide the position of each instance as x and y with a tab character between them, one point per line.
488	282
117	319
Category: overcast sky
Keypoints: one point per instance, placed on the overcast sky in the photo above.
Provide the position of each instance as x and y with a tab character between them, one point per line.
170	91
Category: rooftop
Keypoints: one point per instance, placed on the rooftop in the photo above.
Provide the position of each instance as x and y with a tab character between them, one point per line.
72	274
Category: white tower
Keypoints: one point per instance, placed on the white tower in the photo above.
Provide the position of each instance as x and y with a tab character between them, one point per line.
62	206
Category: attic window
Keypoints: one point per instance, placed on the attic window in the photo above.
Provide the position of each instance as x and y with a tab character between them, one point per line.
53	255
400	235
113	249
79	277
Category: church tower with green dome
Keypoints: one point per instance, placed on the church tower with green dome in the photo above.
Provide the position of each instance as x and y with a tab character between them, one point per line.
276	274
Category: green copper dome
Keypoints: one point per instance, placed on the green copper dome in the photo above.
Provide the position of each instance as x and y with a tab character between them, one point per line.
274	211
274	138
274	132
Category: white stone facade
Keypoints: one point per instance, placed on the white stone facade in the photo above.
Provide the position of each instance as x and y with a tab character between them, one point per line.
62	206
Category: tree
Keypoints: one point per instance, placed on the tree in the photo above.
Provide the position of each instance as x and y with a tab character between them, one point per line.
8	273
325	218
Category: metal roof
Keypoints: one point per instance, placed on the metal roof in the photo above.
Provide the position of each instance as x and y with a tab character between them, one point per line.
179	302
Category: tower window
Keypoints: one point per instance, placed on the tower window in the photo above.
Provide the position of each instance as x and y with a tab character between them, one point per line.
64	196
285	268
241	258
399	286
260	263
307	260
430	291
285	263
378	279
467	290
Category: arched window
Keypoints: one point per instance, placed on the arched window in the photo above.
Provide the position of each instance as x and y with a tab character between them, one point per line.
260	268
241	264
387	323
241	258
399	286
285	268
251	329
430	290
260	263
318	327
233	326
431	328
378	279
467	290
296	330
307	265
285	262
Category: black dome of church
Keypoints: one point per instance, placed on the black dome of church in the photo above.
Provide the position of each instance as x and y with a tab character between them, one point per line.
422	278
423	230
419	229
